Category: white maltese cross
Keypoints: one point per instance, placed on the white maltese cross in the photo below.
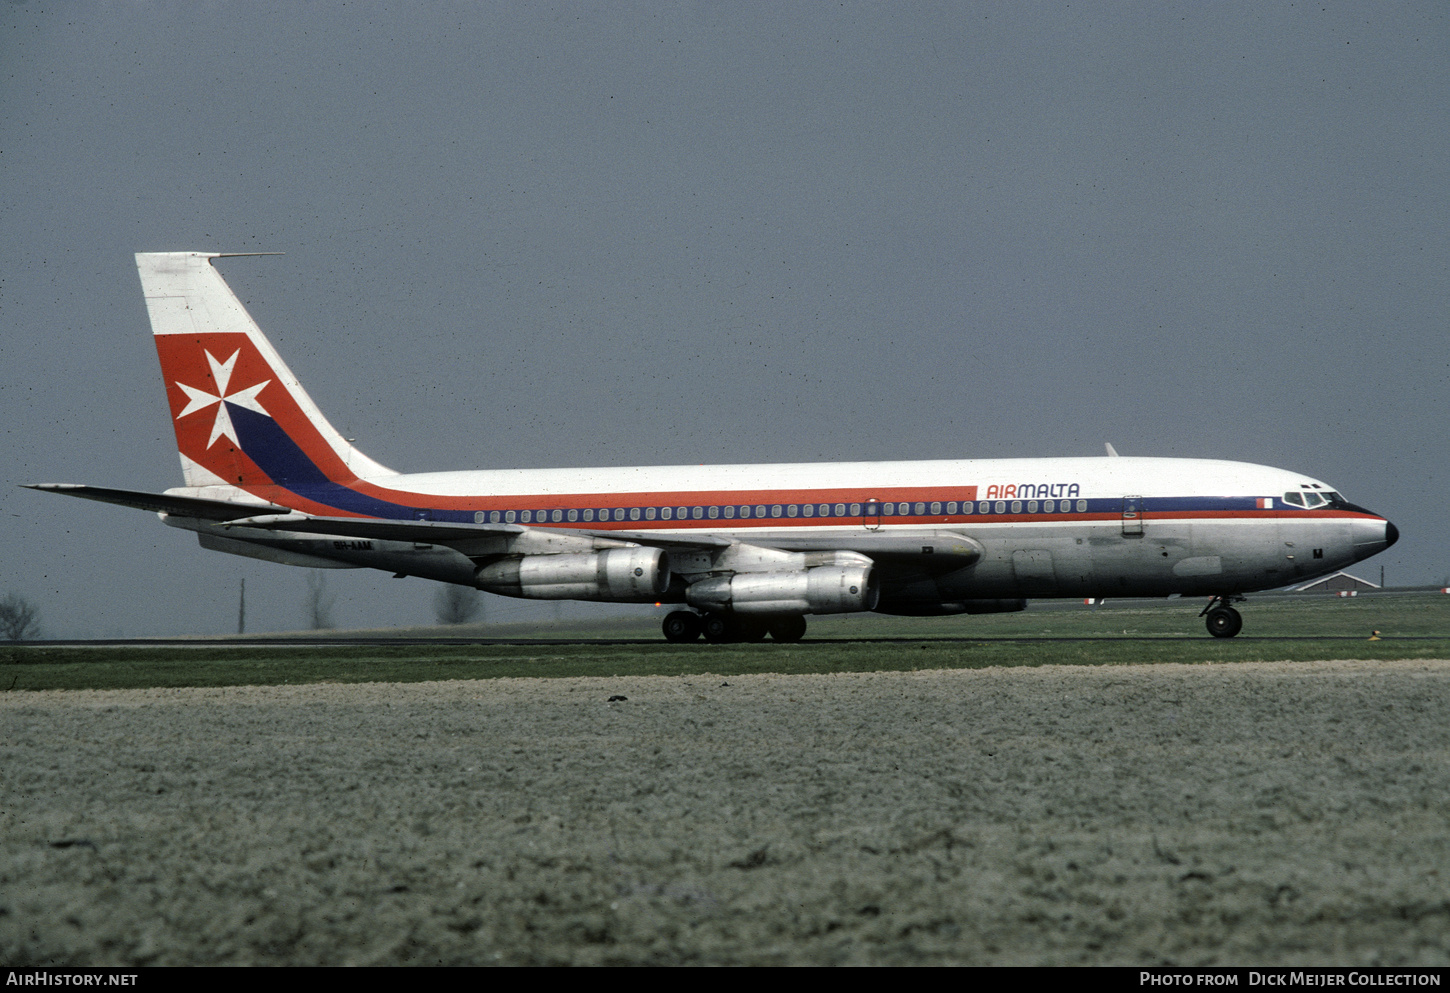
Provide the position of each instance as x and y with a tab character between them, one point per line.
200	399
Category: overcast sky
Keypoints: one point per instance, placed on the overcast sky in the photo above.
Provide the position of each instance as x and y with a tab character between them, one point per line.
571	234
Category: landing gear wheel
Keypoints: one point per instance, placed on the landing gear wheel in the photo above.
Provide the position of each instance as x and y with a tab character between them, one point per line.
718	628
1224	622
791	628
750	629
681	626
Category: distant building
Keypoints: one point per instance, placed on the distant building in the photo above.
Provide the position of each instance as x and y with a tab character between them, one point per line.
1337	583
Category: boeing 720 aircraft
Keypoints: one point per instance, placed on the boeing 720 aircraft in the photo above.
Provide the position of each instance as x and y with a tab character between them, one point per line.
750	550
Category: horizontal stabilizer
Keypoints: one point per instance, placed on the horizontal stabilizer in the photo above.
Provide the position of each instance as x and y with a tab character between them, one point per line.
161	503
430	532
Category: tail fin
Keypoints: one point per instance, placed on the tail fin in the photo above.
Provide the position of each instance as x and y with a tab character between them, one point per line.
241	417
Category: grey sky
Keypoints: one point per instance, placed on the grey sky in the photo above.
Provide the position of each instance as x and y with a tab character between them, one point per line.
528	235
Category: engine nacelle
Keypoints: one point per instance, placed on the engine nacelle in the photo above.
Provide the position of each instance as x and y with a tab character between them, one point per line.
822	590
620	575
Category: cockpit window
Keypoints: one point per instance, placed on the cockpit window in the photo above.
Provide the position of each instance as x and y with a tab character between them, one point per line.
1294	499
1313	500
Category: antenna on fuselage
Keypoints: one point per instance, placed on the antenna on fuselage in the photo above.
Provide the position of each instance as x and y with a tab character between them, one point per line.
1112	452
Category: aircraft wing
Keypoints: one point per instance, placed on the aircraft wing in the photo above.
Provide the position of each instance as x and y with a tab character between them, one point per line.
443	532
209	510
945	548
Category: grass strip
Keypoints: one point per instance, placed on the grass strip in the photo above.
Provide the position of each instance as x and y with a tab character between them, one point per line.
41	668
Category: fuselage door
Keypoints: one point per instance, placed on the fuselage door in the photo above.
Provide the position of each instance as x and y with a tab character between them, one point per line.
1132	517
871	514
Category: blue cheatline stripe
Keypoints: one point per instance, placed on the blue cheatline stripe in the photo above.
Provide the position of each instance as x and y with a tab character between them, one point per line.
276	454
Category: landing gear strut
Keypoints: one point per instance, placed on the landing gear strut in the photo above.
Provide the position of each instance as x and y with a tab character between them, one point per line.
1222	620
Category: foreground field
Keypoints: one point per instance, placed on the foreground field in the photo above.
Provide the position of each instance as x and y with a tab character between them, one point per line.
1252	813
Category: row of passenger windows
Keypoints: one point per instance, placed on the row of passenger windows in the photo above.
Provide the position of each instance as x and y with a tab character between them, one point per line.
746	512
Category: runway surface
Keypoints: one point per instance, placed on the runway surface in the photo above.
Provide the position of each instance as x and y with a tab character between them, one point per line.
1254	813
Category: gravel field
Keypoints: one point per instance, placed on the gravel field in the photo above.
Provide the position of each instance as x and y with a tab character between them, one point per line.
1277	813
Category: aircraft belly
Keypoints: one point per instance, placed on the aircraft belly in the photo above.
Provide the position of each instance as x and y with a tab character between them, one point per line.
1042	562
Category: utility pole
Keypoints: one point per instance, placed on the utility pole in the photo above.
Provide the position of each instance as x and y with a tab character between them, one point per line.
242	609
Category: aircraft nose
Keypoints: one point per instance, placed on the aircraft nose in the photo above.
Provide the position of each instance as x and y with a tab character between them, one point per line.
1373	535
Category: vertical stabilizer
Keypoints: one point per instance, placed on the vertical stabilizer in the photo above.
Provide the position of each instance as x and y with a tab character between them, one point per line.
241	417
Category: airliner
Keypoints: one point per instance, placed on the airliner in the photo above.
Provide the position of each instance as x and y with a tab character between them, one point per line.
745	551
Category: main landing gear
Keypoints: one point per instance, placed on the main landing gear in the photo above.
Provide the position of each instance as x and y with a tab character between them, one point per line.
1222	620
686	625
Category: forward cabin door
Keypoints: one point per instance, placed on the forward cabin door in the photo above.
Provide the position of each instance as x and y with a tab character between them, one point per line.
1132	517
871	514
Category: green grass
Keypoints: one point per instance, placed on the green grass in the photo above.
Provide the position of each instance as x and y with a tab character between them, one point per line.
1327	628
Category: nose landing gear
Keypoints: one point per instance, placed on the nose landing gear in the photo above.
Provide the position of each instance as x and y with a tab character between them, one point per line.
1222	620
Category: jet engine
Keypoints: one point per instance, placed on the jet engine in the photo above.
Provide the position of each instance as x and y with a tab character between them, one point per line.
620	575
822	590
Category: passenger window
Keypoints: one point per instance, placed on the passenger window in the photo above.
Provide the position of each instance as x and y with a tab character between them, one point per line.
666	513
1031	506
1016	506
775	511
967	507
526	516
619	513
920	509
697	513
936	507
682	512
714	513
573	515
493	517
886	508
509	517
745	512
808	510
1082	506
729	513
759	510
840	510
634	513
951	506
1001	507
